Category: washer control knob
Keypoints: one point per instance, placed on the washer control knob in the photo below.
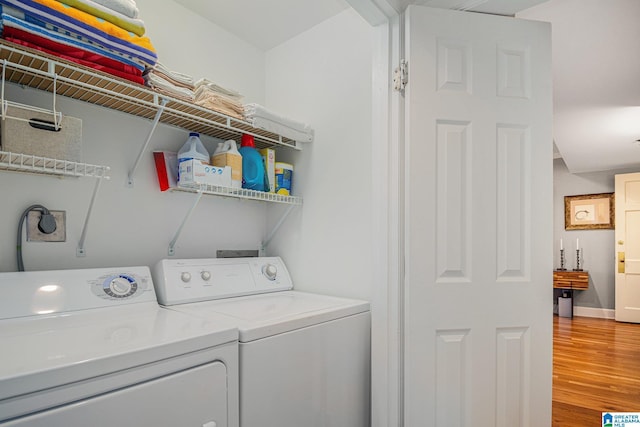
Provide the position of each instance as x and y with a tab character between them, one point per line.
120	286
270	271
185	276
206	275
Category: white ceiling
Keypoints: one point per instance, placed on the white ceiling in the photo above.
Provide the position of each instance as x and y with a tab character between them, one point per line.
596	61
495	7
266	23
596	77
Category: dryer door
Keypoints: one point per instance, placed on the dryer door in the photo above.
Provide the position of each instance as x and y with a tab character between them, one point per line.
196	397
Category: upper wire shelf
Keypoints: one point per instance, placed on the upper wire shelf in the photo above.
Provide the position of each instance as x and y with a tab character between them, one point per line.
38	70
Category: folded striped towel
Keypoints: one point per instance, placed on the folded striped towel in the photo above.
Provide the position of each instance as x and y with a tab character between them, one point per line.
9	22
134	25
73	54
61	9
65	19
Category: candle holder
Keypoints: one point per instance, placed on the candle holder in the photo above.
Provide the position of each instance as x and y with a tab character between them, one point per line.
577	260
562	268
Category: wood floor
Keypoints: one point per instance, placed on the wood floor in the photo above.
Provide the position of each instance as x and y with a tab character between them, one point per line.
596	368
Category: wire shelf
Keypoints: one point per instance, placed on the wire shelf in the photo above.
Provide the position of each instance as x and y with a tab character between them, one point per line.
238	193
38	70
43	165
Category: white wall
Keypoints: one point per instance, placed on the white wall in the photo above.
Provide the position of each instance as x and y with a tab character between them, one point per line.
134	226
597	245
188	43
324	77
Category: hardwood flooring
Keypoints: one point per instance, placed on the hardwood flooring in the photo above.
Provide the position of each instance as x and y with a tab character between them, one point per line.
596	368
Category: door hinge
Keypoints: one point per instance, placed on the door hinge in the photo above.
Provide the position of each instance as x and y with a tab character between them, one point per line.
401	76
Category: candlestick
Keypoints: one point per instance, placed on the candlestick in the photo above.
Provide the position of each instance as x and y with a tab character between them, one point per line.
577	261
562	260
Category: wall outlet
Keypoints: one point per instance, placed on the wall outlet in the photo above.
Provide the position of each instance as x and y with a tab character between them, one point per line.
35	235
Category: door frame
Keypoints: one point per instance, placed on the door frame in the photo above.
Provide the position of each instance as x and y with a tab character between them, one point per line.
387	314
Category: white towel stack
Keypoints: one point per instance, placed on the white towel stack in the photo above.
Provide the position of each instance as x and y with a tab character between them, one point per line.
217	98
169	82
264	119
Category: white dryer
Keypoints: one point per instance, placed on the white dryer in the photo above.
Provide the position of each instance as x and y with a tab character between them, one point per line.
304	358
92	347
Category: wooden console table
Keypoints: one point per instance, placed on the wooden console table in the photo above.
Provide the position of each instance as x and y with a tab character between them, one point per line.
568	281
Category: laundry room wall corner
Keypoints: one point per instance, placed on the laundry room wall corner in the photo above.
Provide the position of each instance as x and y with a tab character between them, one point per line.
323	77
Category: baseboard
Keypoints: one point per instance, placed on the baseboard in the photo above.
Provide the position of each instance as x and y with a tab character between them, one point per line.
602	313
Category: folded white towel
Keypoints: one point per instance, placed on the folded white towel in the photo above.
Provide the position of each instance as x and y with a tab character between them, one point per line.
254	111
126	7
185	79
282	129
160	84
204	83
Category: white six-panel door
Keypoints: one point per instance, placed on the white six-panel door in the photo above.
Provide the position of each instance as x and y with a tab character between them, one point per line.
627	233
478	290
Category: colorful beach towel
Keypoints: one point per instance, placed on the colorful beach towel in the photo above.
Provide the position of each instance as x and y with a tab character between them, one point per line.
71	54
9	22
107	34
134	25
96	22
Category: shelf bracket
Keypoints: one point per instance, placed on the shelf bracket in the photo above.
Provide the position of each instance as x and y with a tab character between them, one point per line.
57	119
156	120
80	250
172	244
4	69
271	235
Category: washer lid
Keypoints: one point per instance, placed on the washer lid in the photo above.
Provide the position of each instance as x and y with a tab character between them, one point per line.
260	316
52	350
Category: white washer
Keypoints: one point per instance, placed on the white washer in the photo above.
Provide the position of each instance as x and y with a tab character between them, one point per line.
92	347
304	358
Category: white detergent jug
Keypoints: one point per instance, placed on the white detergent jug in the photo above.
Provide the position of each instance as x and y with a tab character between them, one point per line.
230	156
193	149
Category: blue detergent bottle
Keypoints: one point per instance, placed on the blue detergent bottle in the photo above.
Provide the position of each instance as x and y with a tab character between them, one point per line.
253	172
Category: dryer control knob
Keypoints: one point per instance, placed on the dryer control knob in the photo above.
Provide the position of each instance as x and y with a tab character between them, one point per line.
205	275
120	286
270	271
185	276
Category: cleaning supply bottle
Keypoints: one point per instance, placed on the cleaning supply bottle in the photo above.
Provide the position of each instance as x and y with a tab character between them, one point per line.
193	149
219	149
253	172
228	155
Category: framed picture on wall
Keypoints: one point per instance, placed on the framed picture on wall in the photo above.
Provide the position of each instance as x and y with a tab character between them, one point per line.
589	212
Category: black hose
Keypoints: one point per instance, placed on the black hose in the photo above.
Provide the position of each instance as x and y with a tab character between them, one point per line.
45	211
